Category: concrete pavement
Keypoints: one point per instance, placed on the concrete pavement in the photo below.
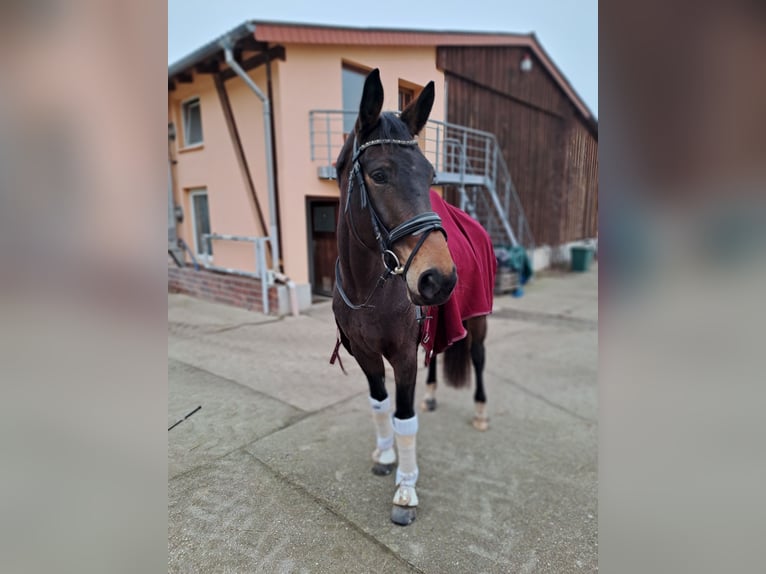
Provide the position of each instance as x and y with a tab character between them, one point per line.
273	474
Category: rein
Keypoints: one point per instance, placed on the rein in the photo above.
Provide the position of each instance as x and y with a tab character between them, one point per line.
422	224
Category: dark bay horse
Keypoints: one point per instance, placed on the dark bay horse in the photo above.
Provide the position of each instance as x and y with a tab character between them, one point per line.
387	229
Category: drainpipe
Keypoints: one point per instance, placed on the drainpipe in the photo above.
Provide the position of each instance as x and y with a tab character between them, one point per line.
226	44
273	231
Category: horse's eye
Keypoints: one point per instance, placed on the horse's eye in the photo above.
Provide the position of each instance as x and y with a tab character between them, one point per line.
379	176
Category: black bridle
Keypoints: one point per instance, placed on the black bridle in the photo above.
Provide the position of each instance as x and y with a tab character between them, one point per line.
423	224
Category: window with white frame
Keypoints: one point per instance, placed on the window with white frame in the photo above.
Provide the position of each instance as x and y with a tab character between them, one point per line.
200	222
192	121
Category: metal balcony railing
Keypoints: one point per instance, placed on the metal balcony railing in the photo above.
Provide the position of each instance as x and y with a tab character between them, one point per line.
470	160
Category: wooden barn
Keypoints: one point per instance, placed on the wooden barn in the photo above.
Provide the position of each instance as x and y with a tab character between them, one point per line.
548	136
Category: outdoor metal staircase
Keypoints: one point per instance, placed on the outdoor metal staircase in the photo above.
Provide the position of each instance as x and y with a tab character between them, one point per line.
468	160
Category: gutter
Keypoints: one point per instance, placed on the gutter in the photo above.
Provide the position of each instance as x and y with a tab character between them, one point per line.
210	49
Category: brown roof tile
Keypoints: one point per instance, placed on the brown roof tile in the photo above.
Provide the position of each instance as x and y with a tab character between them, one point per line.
305	34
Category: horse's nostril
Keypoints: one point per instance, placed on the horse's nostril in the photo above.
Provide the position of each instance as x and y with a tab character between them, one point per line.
429	284
435	287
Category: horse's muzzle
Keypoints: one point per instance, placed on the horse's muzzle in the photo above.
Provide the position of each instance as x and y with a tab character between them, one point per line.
434	287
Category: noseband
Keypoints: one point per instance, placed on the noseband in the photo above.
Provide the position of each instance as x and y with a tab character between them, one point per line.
422	224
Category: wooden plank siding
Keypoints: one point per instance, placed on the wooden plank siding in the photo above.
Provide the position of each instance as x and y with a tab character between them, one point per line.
550	152
581	189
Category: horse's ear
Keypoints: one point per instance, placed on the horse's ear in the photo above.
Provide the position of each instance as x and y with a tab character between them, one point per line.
371	104
416	114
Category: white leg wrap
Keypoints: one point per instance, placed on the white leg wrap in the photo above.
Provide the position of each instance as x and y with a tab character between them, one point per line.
407	471
406	426
406	430
384	431
480	419
430	391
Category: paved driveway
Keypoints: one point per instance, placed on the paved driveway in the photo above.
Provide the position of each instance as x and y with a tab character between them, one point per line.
273	473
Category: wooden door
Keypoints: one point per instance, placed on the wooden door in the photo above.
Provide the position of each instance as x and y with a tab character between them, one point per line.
323	220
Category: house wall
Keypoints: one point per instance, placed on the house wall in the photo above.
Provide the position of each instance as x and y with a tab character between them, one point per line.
310	78
214	166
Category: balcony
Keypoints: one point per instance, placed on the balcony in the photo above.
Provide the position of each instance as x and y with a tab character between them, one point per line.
463	157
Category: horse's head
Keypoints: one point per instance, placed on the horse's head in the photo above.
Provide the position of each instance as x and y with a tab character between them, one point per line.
391	179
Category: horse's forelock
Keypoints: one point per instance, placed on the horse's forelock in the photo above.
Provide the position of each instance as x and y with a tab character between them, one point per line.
391	127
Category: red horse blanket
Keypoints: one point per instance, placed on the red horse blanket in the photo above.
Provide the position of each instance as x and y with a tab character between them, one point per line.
474	256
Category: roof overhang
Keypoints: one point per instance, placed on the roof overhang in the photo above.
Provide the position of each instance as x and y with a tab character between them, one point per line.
210	58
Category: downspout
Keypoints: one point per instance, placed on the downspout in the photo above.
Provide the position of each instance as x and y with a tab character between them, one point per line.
278	266
273	233
273	229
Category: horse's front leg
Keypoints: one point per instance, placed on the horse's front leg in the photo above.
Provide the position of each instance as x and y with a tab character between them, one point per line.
405	430
384	455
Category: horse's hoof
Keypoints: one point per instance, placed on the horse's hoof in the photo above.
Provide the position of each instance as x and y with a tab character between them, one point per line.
480	424
382	469
403	515
428	405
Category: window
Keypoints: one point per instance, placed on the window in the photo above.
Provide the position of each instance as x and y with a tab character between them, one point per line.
353	85
406	95
192	120
407	92
200	222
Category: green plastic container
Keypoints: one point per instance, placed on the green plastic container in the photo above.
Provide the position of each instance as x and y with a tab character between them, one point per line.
581	258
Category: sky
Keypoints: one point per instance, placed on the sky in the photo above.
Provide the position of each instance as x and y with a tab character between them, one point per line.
567	29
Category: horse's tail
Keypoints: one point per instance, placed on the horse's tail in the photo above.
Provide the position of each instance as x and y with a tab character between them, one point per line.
457	360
